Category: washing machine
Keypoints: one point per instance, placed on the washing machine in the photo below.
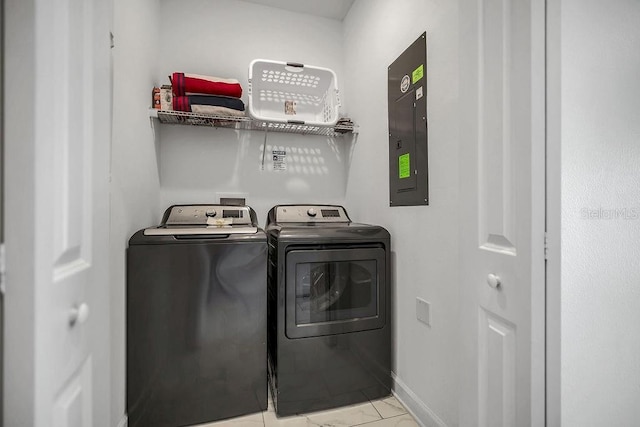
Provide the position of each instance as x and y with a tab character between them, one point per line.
196	320
329	309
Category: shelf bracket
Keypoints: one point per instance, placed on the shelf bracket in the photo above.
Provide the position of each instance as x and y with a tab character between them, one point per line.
264	147
152	123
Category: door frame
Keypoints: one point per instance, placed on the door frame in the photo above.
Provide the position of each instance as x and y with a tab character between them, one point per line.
19	393
2	279
553	214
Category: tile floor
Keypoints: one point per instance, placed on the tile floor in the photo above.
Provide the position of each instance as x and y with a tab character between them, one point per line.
387	412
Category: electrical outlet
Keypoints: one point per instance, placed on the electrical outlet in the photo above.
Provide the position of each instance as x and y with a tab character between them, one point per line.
423	311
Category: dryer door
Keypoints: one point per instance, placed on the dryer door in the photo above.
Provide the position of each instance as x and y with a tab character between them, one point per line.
332	291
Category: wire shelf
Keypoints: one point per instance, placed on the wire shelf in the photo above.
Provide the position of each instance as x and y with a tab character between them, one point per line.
246	123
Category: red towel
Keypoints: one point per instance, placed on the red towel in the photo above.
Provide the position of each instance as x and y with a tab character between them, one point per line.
193	83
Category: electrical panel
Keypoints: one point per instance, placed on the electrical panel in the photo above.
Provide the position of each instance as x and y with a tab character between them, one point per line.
407	99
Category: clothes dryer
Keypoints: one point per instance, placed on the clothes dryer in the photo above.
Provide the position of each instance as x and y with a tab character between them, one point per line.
329	309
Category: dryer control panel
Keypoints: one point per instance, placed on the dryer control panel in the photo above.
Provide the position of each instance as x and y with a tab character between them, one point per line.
311	213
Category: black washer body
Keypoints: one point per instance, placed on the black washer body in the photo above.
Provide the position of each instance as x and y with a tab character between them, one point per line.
196	328
346	359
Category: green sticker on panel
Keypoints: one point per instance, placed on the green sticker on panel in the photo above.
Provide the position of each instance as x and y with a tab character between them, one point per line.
417	74
404	166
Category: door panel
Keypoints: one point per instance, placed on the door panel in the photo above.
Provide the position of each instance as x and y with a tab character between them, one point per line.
71	126
502	212
73	406
404	130
497	371
495	160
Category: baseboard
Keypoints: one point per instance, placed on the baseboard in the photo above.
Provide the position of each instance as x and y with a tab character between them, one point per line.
418	409
124	421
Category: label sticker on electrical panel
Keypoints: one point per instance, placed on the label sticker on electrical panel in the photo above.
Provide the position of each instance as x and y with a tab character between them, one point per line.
419	93
404	166
417	74
279	157
405	83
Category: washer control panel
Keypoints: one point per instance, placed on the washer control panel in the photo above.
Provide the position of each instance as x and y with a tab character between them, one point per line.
311	213
204	214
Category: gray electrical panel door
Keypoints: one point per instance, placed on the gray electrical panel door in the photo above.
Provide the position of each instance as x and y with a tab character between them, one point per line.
407	99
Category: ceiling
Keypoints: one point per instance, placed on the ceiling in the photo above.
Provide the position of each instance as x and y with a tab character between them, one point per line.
333	9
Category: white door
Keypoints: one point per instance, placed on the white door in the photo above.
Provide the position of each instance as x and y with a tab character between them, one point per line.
502	155
57	106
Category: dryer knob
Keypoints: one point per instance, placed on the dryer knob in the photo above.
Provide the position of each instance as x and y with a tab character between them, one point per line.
311	212
210	213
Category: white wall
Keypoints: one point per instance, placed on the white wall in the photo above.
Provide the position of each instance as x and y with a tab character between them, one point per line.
134	178
221	38
600	212
424	239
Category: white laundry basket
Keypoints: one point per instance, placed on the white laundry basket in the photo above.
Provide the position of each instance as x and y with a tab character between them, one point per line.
289	92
